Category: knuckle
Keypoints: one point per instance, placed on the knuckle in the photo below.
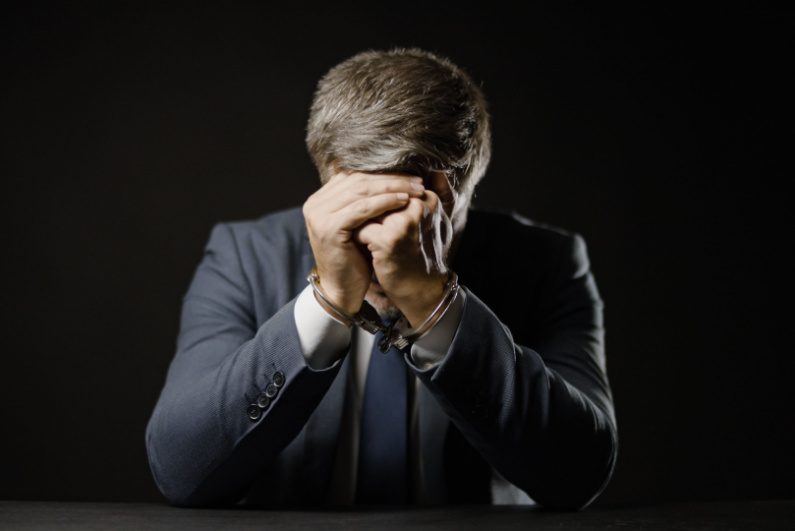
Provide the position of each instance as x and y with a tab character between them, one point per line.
417	208
362	209
391	243
362	188
307	211
407	224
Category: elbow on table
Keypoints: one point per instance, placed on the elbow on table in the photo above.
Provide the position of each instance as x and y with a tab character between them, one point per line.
565	473
172	470
576	486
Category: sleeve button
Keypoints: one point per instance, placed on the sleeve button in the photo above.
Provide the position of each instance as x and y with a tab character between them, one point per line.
254	412
271	390
263	401
278	379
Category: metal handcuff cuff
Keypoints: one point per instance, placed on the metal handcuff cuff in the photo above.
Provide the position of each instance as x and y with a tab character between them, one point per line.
398	333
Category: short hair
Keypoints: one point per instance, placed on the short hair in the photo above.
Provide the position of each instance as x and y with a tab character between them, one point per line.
403	110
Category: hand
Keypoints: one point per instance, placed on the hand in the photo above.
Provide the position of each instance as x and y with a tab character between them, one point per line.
409	250
334	212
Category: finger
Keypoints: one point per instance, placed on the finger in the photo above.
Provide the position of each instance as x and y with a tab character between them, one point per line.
399	225
419	220
344	179
363	210
431	200
418	208
368	234
368	184
360	185
394	226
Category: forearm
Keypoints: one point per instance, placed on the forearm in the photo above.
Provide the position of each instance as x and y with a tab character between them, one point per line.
203	446
541	432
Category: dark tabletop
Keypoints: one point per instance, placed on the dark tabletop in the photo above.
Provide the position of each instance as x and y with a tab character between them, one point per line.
746	515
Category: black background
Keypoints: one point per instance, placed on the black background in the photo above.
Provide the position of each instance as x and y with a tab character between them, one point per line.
655	131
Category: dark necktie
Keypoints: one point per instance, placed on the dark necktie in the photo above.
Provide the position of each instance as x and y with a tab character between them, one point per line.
383	441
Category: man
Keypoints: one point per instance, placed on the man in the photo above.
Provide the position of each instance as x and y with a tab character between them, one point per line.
500	392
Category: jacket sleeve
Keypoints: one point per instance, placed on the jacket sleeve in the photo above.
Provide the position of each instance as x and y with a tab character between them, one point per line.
542	417
204	445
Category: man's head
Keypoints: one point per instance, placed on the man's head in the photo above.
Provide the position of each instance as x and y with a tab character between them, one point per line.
405	111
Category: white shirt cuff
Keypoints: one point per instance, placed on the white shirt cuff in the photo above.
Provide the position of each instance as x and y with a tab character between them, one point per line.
323	338
432	349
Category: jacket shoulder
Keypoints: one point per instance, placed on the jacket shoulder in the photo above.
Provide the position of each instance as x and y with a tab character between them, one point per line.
270	255
282	225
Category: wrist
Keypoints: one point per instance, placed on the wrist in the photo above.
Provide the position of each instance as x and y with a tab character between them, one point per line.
424	299
366	317
340	313
404	334
330	310
332	298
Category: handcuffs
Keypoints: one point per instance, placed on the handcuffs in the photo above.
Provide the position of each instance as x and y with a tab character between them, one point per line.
397	333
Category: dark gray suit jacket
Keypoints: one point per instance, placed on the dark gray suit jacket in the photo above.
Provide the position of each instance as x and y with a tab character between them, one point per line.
523	388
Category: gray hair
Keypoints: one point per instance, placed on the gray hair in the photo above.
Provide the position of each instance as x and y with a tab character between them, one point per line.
403	110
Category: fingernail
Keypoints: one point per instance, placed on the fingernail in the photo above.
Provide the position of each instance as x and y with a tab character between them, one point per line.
418	186
416	179
403	196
